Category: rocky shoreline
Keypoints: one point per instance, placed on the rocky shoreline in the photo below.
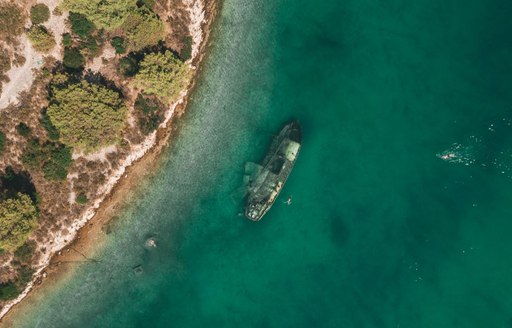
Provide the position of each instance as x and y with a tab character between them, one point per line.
84	233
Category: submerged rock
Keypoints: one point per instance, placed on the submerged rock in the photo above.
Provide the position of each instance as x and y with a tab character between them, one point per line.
138	270
150	243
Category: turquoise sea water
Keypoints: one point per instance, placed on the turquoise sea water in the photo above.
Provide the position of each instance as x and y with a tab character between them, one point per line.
401	211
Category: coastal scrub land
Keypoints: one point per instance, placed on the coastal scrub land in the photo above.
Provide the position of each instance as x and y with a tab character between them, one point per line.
85	86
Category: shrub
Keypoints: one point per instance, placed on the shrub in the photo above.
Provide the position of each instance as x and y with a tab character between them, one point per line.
73	59
66	40
5	65
41	39
162	75
23	129
57	11
52	158
80	25
18	217
92	47
118	43
56	168
52	131
24	253
186	52
148	3
5	62
39	13
12	289
107	14
60	79
12	14
149	113
8	291
82	199
25	275
33	154
143	28
2	142
88	116
128	66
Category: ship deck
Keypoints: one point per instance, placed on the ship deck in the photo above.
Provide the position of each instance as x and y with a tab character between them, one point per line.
278	165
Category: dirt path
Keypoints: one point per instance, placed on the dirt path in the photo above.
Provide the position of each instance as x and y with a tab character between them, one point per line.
21	77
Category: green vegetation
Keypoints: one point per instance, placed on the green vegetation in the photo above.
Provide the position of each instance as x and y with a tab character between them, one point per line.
80	25
128	66
24	252
148	3
143	28
149	113
60	79
66	40
57	11
18	217
41	38
186	52
11	289
140	24
91	47
52	158
13	182
23	129
12	14
162	75
56	168
107	14
39	13
5	64
2	142
52	131
8	291
90	39
81	199
73	59
88	116
118	43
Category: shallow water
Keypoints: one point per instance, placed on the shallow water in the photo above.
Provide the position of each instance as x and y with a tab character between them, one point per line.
400	214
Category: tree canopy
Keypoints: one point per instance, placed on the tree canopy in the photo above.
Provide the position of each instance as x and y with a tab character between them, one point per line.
39	13
8	291
52	158
149	113
142	29
23	129
88	116
80	25
118	43
163	75
41	38
107	14
18	217
73	59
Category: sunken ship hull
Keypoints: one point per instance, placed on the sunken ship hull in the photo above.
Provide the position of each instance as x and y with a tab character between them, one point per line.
271	176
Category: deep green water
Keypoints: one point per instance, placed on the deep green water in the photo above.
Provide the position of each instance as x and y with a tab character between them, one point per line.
382	232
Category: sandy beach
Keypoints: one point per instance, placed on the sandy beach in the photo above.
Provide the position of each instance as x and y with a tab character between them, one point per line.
88	230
